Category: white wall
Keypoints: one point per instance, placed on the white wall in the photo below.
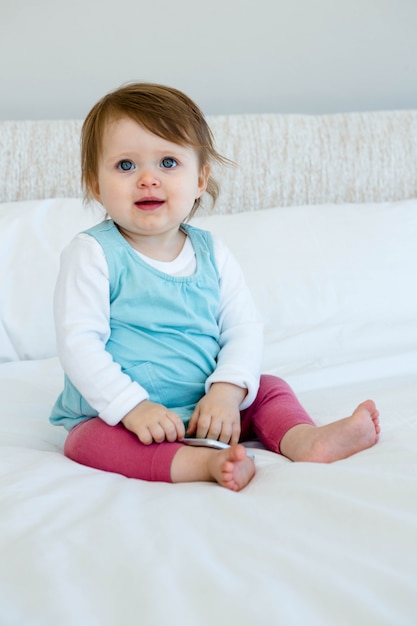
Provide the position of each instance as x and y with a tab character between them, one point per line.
232	56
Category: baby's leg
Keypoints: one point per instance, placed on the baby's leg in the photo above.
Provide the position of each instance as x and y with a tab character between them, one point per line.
231	467
116	449
273	413
334	441
282	425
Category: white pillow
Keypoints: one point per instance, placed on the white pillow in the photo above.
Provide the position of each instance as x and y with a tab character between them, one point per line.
32	235
335	283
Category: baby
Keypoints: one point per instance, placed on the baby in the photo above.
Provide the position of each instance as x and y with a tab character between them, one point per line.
157	332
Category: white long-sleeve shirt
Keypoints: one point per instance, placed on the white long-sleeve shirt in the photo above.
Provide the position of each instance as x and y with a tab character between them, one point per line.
82	317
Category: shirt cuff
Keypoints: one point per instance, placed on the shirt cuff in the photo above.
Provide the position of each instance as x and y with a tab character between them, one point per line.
125	402
223	375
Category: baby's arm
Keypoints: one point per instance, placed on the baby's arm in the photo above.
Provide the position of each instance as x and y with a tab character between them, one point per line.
82	313
234	383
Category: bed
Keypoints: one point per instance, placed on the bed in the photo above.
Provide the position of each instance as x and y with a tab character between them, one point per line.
321	211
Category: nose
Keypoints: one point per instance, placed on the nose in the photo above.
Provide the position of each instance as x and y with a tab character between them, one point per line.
147	177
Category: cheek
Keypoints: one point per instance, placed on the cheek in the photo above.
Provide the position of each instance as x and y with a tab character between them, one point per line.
109	191
196	185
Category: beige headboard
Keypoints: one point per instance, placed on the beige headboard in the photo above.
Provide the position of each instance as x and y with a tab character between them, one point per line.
281	159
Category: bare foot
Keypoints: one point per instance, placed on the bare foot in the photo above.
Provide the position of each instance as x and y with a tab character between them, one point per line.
334	441
232	468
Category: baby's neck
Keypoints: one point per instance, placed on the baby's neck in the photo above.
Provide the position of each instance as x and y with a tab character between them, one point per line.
165	247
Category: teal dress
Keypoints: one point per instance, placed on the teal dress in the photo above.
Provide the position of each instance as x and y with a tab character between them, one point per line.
163	329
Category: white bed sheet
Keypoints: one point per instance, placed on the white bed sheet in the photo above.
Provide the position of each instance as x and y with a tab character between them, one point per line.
303	544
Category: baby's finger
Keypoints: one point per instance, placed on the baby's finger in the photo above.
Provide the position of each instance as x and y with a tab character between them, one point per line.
215	430
176	428
145	436
192	424
234	439
157	431
203	426
225	433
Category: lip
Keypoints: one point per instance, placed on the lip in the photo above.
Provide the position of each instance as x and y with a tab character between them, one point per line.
149	203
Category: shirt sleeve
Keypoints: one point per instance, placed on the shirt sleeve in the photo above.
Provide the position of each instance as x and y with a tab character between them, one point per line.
82	313
241	328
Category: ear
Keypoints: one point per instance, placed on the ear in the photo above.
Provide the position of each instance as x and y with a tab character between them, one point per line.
203	179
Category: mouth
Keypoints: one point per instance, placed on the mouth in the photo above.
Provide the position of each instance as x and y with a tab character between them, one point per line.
149	204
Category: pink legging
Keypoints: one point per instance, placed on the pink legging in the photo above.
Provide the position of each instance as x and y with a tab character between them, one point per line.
115	449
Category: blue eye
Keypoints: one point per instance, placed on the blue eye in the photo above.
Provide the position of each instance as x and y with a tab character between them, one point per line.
168	163
126	165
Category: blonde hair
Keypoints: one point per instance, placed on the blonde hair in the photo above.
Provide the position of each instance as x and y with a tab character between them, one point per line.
165	112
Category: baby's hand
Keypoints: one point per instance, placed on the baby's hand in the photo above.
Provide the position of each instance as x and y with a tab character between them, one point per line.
217	415
153	422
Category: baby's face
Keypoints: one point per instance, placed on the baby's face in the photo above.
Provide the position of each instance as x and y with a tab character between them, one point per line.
147	184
